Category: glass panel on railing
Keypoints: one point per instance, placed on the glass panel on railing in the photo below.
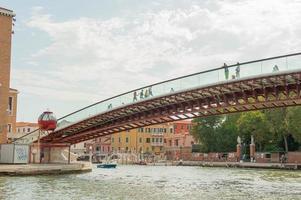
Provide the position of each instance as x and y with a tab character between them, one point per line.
247	70
274	65
208	78
172	86
189	82
294	62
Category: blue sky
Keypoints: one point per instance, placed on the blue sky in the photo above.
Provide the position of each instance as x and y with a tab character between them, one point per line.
68	54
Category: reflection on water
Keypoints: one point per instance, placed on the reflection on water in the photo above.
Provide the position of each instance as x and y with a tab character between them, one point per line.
157	182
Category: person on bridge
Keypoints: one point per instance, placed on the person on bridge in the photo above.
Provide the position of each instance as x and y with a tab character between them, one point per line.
150	91
146	94
237	70
226	71
275	68
135	96
141	94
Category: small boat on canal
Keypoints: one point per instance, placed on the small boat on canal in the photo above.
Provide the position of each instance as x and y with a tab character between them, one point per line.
107	165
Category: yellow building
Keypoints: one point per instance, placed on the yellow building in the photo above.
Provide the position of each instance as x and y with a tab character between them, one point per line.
6	18
148	139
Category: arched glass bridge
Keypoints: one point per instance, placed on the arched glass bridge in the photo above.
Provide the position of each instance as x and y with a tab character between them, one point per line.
254	85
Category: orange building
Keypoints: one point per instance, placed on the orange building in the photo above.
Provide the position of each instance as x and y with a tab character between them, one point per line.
6	116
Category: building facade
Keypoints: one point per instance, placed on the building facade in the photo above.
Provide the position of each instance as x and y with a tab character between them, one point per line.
20	129
12	111
155	139
179	143
6	21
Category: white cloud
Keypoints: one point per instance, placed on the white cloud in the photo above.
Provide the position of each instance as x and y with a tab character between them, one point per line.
92	58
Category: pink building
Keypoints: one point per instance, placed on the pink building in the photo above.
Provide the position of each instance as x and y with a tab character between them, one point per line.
179	143
100	146
181	136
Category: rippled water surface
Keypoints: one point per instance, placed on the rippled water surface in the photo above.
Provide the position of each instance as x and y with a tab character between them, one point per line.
157	182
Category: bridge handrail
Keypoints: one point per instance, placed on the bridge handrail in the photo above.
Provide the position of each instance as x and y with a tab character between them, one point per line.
181	77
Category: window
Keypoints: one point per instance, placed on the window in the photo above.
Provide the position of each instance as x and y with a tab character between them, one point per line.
164	140
18	130
28	129
10	105
140	140
153	139
142	130
160	140
171	130
157	140
119	139
177	142
23	130
147	140
127	140
9	128
126	148
112	140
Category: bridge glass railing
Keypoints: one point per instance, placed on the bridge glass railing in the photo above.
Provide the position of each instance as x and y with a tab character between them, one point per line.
214	76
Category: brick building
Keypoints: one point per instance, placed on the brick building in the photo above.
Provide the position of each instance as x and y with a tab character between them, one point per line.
7	109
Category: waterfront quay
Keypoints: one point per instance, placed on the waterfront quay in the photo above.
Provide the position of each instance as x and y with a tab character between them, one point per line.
44	169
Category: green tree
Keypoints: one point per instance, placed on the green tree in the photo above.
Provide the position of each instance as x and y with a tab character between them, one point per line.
294	125
279	124
204	130
227	133
254	123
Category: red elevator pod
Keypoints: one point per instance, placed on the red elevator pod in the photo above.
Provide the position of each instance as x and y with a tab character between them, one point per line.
47	121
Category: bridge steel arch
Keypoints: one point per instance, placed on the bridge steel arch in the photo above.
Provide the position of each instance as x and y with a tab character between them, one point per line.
270	90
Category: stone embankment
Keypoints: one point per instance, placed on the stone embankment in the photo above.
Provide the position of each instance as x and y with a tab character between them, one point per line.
44	169
293	166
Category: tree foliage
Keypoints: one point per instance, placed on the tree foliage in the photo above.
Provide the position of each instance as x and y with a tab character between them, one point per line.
273	130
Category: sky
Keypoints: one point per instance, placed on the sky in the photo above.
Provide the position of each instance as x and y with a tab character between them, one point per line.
72	53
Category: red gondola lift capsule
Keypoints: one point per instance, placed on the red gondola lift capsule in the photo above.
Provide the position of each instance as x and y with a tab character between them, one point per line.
47	121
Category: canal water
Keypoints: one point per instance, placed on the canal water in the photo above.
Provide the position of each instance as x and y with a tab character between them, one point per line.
157	182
